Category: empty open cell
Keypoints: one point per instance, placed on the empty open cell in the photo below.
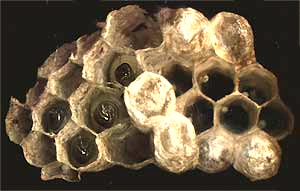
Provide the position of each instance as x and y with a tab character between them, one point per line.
201	113
237	115
216	84
55	116
258	84
180	77
82	149
276	120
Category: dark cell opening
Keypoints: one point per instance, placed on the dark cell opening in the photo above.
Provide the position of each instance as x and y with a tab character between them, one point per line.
82	149
256	88
235	118
137	147
180	78
202	114
274	120
124	74
55	117
106	114
216	85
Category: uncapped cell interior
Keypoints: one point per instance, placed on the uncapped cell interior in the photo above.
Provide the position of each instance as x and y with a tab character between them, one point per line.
256	87
201	112
106	110
274	120
236	116
56	116
124	74
82	149
215	84
180	77
106	113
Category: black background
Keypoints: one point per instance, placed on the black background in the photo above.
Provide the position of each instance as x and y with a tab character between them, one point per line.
31	31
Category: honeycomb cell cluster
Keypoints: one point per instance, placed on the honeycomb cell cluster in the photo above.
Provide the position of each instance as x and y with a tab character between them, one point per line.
173	89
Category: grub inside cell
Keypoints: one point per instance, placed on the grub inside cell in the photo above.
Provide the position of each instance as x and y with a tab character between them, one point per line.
124	74
181	79
201	113
105	114
274	120
82	149
216	85
56	116
236	117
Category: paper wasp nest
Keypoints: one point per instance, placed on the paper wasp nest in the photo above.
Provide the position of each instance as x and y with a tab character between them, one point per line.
174	89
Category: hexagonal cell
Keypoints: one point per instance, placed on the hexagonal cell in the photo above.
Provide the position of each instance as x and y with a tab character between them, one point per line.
215	78
39	149
65	80
56	60
102	64
236	113
97	107
257	83
131	26
82	149
51	114
77	147
18	121
276	119
201	112
257	156
59	170
56	116
180	77
232	38
127	146
123	69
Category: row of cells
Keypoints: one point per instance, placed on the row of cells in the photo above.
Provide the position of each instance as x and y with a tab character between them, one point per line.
238	115
81	149
216	79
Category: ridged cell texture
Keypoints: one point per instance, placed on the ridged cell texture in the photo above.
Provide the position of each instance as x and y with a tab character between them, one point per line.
173	89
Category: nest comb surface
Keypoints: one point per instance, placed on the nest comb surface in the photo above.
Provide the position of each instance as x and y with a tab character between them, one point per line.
174	89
